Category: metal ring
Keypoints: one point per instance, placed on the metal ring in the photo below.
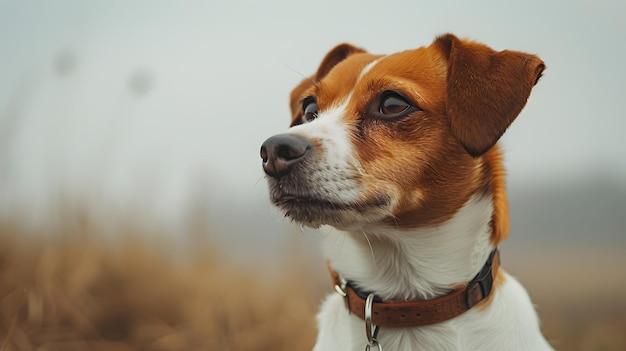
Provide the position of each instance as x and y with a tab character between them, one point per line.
369	302
376	343
341	291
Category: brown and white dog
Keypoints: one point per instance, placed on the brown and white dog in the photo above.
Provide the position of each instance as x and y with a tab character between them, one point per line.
398	153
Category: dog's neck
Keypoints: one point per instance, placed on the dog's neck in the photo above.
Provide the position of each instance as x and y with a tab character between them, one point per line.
421	263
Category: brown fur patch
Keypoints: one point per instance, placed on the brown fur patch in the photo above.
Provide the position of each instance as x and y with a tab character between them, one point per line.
417	155
495	183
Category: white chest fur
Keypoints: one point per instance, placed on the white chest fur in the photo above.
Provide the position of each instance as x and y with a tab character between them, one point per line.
427	263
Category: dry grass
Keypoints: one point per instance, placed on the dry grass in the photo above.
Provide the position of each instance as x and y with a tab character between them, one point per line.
580	295
78	294
598	325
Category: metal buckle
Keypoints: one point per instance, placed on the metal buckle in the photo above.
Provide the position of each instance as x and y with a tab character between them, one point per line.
480	287
372	335
341	290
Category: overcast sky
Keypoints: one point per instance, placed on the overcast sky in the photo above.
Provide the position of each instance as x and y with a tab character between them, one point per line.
154	103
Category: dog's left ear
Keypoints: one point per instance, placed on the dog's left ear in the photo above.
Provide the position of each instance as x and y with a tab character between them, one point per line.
334	56
486	90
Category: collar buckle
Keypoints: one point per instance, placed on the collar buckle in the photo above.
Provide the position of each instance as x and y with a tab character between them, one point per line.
480	287
340	285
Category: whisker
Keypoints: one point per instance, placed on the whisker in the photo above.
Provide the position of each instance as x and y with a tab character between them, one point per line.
369	243
259	180
343	242
325	235
300	73
334	246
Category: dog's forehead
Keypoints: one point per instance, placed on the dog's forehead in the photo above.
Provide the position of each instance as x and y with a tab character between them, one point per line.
422	64
340	81
420	72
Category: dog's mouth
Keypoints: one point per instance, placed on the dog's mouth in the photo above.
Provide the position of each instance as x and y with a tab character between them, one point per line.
294	200
315	211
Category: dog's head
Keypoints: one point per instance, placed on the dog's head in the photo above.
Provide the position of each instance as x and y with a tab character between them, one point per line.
397	139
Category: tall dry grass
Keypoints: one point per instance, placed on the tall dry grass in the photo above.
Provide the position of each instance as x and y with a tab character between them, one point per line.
78	293
580	295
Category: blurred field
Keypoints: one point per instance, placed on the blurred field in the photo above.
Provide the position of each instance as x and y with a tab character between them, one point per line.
76	292
580	294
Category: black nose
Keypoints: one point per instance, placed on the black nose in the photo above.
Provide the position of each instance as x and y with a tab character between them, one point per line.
281	152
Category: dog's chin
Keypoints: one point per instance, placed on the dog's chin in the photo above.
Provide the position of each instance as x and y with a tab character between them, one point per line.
313	212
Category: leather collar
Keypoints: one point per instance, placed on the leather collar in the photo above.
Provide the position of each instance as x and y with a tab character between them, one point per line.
413	313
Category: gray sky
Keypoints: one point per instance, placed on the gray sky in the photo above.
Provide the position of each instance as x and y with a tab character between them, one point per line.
147	104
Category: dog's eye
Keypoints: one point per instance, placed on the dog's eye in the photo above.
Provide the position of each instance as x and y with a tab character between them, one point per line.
393	104
309	106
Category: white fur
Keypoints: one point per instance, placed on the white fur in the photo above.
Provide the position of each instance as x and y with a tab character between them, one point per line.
368	68
426	263
419	263
337	157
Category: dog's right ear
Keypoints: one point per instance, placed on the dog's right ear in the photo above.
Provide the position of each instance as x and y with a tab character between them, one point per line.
486	90
332	58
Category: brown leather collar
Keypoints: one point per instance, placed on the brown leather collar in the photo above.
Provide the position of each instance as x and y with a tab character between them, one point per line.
413	313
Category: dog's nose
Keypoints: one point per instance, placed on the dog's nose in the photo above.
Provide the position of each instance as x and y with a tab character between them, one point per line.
281	152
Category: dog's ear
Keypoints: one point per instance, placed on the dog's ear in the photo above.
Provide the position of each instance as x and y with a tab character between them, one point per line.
486	90
332	58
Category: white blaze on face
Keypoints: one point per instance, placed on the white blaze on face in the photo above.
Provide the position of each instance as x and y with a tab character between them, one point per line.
333	170
337	169
368	68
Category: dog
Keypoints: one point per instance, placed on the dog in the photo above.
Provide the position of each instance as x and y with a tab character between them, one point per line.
399	154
